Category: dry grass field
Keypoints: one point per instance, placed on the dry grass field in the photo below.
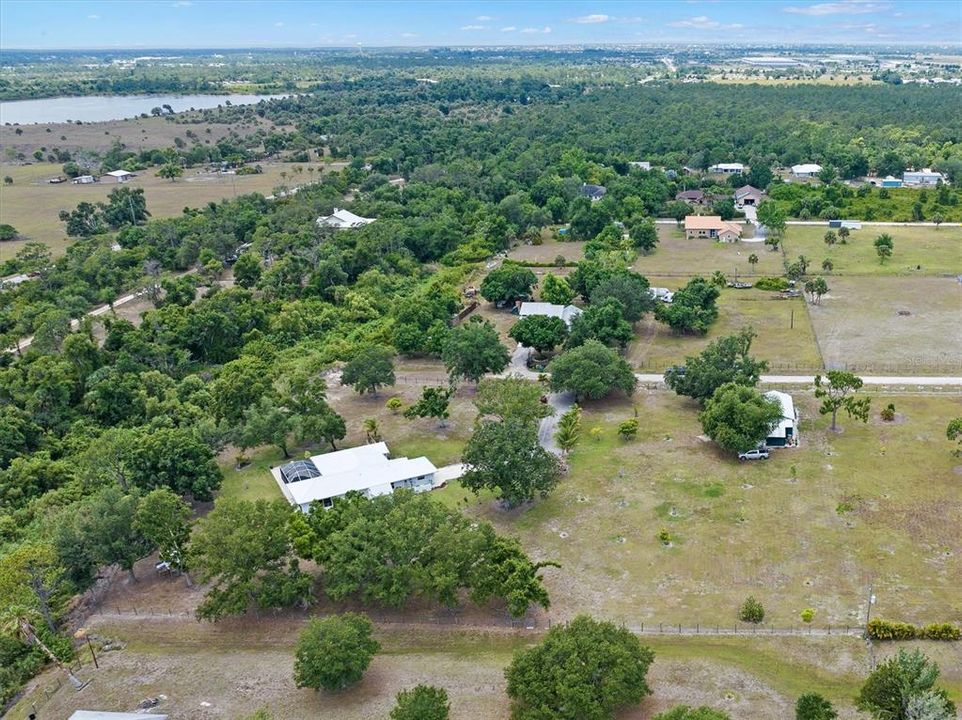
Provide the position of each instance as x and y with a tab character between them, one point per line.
784	333
32	205
891	325
676	255
229	670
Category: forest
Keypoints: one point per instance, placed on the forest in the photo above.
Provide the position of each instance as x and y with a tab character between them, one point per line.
90	429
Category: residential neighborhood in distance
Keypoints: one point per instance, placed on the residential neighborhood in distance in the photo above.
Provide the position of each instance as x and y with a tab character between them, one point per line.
481	360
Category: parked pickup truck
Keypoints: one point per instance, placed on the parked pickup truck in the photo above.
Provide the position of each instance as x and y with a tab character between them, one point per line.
759	453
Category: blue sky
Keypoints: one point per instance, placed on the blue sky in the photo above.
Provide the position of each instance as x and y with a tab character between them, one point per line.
225	24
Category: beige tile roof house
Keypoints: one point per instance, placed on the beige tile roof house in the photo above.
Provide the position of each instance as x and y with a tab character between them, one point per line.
712	226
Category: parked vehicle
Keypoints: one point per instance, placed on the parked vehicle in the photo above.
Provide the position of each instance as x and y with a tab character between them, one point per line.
759	453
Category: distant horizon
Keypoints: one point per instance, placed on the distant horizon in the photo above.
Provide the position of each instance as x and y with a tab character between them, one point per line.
102	25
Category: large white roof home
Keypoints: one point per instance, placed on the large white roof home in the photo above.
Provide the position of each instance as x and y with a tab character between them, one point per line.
343	219
806	170
922	177
785	432
120	175
367	469
566	312
727	168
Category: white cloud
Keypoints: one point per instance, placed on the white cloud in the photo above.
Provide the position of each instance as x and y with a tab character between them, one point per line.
278	24
846	7
182	3
409	35
93	17
474	27
703	22
592	19
510	28
536	31
484	18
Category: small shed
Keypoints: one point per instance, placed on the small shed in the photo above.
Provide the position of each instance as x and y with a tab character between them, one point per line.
120	176
784	433
84	180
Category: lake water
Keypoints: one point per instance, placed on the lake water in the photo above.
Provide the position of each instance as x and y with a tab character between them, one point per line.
99	108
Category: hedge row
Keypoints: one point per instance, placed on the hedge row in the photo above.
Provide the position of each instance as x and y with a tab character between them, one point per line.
880	629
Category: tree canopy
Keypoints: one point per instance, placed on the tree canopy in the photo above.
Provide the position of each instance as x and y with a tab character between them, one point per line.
591	371
334	652
583	670
738	417
725	360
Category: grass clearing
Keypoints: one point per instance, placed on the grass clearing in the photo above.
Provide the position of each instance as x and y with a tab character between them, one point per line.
752	528
860	324
676	256
32	205
918	250
785	335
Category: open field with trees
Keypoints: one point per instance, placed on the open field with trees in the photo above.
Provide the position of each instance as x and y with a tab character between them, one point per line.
917	251
32	205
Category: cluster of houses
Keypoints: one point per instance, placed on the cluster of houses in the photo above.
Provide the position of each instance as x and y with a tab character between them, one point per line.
120	176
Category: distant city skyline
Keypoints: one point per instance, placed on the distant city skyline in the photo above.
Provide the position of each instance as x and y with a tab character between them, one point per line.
192	24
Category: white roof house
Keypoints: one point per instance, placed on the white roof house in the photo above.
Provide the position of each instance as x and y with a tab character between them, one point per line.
922	177
806	170
367	469
640	164
663	294
343	219
784	433
566	312
83	180
728	168
120	175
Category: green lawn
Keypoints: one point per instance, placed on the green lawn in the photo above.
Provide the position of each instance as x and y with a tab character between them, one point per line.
918	250
678	256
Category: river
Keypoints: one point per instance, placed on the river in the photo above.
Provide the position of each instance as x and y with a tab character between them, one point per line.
100	108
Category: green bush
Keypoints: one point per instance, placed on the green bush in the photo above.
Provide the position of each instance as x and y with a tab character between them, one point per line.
941	631
751	611
772	283
879	629
807	615
888	412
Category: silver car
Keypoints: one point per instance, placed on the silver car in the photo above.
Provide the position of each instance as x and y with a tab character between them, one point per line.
759	453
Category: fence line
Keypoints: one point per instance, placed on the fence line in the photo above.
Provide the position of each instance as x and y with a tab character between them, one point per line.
454	618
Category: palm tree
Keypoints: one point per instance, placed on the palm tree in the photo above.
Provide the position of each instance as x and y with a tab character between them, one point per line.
753	261
372	430
17	622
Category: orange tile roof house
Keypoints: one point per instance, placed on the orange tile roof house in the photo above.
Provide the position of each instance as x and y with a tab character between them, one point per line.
712	226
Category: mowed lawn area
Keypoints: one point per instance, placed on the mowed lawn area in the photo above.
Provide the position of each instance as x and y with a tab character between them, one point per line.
784	332
228	670
876	504
891	325
32	205
917	250
678	256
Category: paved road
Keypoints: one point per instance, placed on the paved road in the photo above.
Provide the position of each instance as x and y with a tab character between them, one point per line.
810	379
561	402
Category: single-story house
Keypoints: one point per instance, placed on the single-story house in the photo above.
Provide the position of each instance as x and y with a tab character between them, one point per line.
106	715
367	469
806	170
84	180
785	432
594	192
922	177
712	226
727	168
566	312
695	197
120	175
343	219
747	195
890	182
640	164
662	294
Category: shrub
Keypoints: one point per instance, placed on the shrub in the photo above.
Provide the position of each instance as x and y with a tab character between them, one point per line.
334	652
751	611
394	404
628	429
941	631
879	629
807	615
772	283
664	536
888	412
